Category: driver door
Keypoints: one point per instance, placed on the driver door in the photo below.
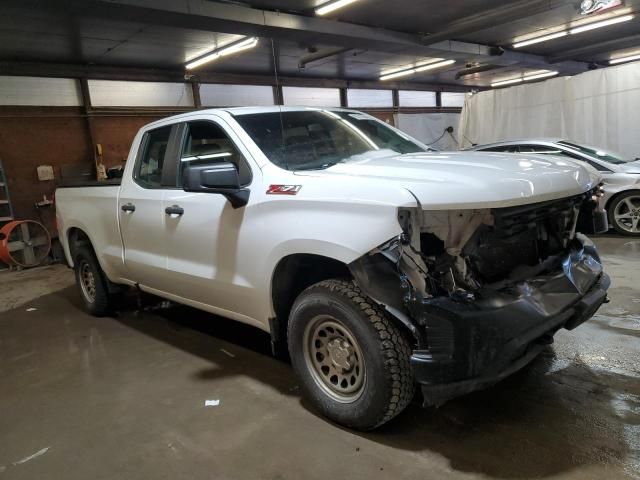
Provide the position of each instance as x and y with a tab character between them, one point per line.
209	256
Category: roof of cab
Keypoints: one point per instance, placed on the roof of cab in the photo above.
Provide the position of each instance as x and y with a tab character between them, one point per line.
237	111
279	108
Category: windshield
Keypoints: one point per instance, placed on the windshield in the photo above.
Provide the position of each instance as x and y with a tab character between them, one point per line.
600	154
317	139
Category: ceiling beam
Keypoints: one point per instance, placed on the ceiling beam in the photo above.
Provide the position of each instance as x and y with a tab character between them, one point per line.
65	70
237	19
320	55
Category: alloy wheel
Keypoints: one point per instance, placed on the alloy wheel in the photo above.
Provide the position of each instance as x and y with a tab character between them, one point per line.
627	214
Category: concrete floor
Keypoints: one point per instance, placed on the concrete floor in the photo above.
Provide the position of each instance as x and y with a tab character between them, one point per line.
82	397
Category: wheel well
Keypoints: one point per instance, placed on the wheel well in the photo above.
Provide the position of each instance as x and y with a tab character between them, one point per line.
617	195
77	238
291	276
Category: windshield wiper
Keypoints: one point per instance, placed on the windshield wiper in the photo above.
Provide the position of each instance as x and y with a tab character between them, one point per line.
324	166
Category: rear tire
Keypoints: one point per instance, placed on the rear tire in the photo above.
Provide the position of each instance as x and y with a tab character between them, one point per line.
352	361
92	283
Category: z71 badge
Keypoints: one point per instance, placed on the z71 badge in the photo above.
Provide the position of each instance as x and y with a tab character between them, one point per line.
283	189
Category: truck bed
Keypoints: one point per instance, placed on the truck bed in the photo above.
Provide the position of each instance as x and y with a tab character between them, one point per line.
92	208
89	183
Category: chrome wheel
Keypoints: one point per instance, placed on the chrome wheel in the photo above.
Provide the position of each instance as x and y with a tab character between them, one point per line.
626	214
334	359
87	282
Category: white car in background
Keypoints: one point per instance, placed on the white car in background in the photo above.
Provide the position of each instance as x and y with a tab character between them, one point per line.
621	175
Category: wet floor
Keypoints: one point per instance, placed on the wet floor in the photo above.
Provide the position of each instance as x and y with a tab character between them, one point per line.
125	397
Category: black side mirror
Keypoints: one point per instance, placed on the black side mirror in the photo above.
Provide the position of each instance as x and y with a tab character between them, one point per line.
219	177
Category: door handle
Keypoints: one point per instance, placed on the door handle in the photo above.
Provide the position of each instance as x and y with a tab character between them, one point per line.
128	208
174	210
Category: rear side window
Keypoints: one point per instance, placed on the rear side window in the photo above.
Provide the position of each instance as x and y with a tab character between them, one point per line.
206	143
148	171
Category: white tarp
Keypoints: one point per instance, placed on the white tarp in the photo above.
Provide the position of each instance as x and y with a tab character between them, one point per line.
599	107
428	127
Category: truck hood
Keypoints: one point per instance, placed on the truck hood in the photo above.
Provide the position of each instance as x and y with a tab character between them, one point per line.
452	180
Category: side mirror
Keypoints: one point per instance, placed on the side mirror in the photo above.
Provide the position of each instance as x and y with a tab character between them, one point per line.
219	177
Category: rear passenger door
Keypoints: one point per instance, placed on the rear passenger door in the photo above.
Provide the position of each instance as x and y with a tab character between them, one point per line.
141	212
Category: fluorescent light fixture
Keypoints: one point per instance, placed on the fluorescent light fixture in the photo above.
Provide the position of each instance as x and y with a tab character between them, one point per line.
389	76
579	29
536	76
419	68
629	58
234	47
431	66
543	38
411	66
507	82
331	6
526	77
206	157
243	45
603	23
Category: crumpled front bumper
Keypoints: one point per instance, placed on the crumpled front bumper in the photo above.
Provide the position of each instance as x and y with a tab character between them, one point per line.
474	343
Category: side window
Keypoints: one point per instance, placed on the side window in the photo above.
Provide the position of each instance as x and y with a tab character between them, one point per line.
148	171
206	143
505	149
541	149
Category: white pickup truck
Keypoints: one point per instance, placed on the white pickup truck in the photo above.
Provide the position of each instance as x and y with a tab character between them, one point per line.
379	263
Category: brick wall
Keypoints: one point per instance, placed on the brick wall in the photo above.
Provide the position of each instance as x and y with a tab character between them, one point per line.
56	136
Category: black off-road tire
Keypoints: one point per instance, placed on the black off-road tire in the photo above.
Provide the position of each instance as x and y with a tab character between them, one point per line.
102	302
388	384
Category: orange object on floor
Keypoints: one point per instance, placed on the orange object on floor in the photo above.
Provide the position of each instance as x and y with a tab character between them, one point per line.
24	243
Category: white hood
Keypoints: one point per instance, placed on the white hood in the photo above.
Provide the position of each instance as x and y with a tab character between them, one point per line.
453	180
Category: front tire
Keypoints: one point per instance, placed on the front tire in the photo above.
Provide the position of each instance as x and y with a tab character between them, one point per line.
624	213
92	283
352	361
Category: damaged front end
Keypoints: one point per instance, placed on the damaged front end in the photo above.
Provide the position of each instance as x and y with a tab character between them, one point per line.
483	291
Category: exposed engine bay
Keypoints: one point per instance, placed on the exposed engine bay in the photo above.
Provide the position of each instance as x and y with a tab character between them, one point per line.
456	253
462	250
466	256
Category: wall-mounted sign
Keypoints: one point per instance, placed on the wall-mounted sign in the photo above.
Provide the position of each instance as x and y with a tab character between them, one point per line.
588	7
45	172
